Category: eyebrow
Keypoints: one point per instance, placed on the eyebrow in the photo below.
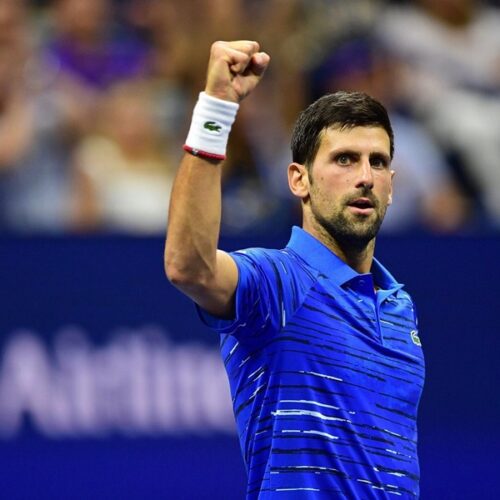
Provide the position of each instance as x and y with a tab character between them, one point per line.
344	151
349	151
382	156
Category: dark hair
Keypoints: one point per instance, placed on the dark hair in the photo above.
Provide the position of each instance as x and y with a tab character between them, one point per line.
341	110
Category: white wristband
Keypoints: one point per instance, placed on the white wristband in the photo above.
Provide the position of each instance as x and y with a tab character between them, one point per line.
210	126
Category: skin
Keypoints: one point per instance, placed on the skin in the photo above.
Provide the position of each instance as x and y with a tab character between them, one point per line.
347	167
351	165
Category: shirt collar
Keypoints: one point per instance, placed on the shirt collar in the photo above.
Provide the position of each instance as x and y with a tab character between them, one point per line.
324	260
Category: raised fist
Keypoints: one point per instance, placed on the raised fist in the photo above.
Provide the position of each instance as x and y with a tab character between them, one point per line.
235	69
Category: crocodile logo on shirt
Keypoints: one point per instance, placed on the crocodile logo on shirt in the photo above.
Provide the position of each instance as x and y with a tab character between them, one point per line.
415	338
213	127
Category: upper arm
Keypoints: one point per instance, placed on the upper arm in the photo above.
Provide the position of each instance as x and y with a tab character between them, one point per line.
215	294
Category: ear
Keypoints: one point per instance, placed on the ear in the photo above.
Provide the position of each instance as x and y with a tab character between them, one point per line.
298	180
393	173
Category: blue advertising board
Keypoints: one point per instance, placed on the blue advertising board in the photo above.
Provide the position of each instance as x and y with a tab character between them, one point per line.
110	387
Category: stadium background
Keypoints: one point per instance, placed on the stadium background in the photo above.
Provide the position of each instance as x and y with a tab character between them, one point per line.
109	385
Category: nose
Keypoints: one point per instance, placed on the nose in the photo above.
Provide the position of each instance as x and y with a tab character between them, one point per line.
365	175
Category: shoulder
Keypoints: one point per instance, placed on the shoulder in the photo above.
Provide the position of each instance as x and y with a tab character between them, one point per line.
277	280
284	263
404	306
404	296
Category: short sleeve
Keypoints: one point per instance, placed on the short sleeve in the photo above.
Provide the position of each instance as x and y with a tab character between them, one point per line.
265	295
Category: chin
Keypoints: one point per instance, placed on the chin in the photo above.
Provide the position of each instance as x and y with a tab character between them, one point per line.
358	232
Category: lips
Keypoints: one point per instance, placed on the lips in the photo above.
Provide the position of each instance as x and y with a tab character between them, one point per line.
361	203
362	206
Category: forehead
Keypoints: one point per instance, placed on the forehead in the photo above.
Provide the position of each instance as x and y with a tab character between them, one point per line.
357	139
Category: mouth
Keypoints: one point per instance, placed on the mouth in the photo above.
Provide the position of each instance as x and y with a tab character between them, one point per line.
361	206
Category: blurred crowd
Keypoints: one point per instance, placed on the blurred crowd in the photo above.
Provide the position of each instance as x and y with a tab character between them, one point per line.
96	98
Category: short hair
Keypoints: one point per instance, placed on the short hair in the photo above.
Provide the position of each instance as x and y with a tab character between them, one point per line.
340	110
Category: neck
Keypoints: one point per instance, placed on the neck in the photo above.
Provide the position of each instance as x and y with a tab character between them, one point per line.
359	256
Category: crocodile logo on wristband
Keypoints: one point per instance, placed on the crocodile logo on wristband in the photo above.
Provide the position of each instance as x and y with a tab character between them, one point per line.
212	127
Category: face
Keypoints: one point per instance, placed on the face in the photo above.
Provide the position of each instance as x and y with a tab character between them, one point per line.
349	185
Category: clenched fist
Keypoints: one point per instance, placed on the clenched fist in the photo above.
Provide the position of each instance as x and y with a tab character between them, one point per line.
234	69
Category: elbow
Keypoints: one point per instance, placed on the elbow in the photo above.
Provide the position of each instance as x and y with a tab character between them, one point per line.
188	269
184	277
178	278
174	273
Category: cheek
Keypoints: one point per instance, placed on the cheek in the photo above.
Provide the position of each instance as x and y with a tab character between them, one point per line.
385	188
335	181
329	185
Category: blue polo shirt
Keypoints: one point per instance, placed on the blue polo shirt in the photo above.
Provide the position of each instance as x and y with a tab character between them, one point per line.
325	375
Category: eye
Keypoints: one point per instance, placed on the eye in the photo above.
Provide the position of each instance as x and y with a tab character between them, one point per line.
379	162
343	159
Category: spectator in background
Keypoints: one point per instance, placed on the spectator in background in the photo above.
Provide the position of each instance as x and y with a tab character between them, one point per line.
50	90
37	124
426	195
123	174
49	98
167	28
452	81
88	46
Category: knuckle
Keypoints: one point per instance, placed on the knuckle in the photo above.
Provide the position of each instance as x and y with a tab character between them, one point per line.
218	46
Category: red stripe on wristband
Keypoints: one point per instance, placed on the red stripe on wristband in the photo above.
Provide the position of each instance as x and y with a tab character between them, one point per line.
203	154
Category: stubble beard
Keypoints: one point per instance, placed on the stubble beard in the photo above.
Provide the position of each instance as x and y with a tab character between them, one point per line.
347	229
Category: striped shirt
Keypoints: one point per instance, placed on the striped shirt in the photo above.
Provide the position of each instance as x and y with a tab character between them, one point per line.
325	375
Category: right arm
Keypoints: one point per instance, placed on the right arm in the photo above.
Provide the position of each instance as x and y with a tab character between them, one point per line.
192	262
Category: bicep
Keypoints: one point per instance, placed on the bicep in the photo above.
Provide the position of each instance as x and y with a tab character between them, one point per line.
217	295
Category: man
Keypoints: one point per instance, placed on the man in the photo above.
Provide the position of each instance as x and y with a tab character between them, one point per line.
319	341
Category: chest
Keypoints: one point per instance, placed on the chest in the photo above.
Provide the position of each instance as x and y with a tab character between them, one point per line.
357	337
382	321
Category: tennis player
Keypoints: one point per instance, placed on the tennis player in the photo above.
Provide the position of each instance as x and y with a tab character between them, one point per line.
319	340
